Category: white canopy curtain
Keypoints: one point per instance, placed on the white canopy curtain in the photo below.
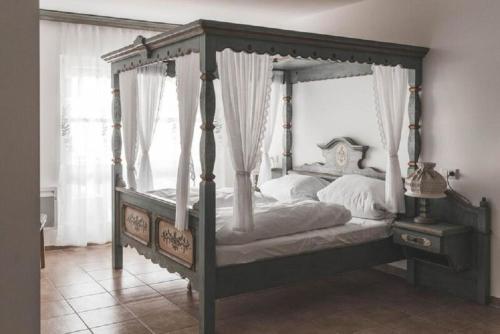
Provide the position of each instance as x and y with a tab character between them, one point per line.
187	71
246	86
275	109
391	98
150	84
84	214
128	100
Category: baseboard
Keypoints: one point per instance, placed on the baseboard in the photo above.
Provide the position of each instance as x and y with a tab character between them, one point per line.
495	302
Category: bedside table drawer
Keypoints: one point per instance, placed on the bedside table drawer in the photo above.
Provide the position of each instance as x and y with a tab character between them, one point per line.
418	240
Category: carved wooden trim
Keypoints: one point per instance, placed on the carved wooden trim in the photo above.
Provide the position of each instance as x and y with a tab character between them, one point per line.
207	76
207	177
136	223
342	156
272	41
175	244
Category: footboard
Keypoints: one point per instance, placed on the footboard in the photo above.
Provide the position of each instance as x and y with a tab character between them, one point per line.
146	223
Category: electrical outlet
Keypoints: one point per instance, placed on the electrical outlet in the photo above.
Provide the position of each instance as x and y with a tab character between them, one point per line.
453	173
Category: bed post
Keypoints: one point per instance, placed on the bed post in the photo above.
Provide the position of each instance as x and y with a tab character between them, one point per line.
116	171
287	125
414	139
206	243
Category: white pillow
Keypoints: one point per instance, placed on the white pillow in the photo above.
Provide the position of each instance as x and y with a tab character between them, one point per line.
293	187
363	196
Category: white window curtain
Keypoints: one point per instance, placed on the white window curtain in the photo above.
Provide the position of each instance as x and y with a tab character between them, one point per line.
246	86
275	110
187	71
84	181
391	98
223	170
150	84
166	146
128	99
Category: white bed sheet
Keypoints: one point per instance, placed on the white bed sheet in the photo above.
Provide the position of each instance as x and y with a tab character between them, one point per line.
356	231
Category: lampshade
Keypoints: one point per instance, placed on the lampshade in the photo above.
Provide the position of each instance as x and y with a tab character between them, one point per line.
425	182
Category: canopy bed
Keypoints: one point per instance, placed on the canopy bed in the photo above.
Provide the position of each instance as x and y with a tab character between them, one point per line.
181	232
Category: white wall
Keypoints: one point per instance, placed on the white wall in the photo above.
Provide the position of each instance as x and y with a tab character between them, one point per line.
323	110
461	120
19	166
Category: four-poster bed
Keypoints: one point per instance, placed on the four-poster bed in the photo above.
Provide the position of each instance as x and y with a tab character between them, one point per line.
147	222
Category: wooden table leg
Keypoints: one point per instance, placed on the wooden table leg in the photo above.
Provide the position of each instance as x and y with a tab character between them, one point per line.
42	249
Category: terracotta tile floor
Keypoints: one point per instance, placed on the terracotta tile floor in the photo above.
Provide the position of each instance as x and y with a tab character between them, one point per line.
80	293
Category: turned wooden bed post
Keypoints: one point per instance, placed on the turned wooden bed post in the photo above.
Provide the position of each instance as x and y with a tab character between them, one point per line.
206	243
116	171
287	124
414	139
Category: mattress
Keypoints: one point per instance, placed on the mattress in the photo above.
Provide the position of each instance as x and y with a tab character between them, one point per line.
356	231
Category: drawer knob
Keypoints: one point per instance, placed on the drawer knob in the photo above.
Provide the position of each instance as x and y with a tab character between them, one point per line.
416	240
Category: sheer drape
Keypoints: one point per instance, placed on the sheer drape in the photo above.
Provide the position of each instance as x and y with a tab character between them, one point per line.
245	84
150	84
187	71
128	100
84	183
391	97
223	169
275	110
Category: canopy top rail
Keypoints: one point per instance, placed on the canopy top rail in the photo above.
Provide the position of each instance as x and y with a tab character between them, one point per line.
238	37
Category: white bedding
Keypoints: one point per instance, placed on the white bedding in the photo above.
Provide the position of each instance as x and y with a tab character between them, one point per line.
271	218
224	196
277	219
355	232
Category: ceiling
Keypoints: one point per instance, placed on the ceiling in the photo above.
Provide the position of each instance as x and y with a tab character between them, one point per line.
272	13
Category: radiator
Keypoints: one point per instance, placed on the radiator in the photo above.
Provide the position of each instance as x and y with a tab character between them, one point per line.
48	206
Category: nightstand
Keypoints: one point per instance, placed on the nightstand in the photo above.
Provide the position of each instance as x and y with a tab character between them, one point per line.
443	244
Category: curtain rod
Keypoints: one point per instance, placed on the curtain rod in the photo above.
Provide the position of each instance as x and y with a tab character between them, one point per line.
108	21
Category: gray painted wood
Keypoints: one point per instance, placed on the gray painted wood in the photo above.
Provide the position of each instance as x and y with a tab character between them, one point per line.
107	21
206	235
330	71
236	279
116	172
207	37
414	115
287	124
155	207
473	283
342	156
286	43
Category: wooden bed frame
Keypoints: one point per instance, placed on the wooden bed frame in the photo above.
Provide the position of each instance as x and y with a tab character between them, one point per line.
146	222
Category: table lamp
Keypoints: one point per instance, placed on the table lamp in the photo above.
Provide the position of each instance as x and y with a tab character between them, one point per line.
425	183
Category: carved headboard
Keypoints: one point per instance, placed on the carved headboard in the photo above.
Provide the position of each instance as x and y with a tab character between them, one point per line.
342	156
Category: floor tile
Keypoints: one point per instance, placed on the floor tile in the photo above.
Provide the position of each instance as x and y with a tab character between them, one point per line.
109	273
157	277
70	278
169	321
64	324
151	306
49	293
134	294
92	302
80	290
359	302
171	287
106	316
127	327
142	267
121	282
54	309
